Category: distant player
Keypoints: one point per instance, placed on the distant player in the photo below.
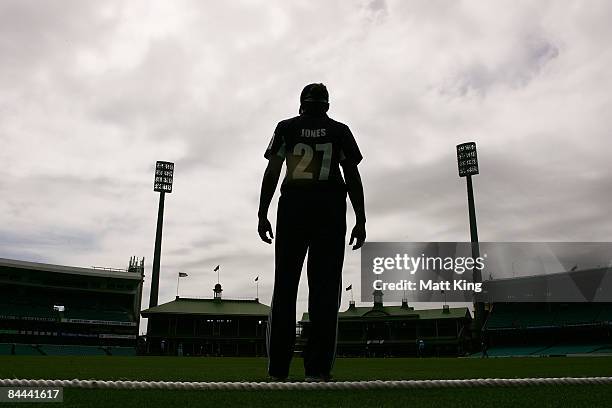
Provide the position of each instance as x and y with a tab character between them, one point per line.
311	218
421	348
484	345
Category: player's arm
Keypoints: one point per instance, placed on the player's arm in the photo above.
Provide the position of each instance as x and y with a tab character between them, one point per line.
268	186
355	193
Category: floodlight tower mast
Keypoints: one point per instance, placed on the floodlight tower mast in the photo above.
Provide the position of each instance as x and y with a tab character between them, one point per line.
164	175
467	161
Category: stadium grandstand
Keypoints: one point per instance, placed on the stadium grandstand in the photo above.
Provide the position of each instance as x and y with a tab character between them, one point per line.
62	310
396	331
207	327
522	328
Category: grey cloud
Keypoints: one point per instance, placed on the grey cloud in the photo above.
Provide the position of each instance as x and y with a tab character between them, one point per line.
45	243
521	67
36	36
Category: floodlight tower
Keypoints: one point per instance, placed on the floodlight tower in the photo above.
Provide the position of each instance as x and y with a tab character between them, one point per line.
467	161
164	175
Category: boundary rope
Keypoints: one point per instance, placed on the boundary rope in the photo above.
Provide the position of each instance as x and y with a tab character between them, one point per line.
338	385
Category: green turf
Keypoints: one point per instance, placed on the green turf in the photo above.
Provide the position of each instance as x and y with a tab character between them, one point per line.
253	369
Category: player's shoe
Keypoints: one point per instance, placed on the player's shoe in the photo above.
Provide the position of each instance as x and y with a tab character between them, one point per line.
273	378
319	378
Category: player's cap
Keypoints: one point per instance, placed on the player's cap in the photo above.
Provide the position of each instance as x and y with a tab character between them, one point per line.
314	93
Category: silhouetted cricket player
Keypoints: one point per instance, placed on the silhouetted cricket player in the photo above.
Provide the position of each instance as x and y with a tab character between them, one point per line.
311	217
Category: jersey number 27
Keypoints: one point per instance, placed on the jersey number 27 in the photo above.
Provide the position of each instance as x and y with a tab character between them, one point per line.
304	150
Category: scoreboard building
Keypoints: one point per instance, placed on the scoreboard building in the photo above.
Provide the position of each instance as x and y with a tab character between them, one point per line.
396	331
208	327
54	310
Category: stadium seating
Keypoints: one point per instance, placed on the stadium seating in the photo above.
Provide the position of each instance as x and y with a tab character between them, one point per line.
563	350
513	316
556	329
605	314
538	318
500	320
28	311
63	350
514	351
577	314
545	351
122	351
6	349
91	314
26	350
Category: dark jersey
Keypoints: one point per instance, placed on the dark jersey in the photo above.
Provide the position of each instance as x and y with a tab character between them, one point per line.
313	146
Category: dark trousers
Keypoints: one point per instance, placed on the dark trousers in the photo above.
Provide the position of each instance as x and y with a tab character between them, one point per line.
315	224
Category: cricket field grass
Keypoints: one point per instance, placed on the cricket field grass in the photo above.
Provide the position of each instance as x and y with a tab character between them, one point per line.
254	369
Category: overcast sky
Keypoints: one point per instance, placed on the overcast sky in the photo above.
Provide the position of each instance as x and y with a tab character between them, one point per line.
93	93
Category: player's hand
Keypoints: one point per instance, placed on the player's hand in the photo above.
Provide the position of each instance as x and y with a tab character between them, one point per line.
264	228
358	235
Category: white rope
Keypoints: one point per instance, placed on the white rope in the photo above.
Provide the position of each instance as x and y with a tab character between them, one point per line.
338	385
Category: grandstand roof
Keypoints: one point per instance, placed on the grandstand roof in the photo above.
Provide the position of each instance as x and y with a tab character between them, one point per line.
398	311
97	272
210	307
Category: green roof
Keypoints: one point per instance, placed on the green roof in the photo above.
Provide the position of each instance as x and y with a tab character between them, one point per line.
398	311
232	307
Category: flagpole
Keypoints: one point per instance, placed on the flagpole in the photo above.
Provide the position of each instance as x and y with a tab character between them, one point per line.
350	287
218	269
257	296
178	279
